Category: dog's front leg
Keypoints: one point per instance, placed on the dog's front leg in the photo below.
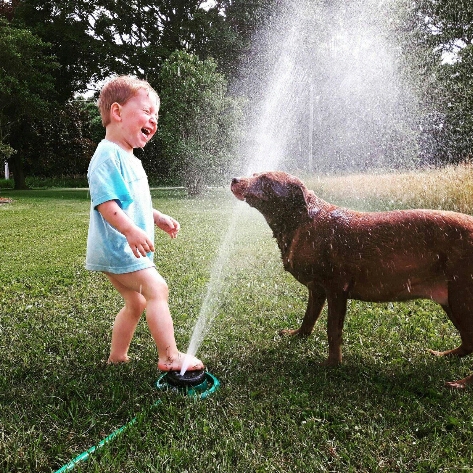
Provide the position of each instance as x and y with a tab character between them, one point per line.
314	308
337	308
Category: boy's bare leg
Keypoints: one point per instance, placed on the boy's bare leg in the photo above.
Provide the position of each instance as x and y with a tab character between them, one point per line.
150	284
125	321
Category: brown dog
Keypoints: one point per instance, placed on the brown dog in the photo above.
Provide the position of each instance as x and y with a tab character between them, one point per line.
342	254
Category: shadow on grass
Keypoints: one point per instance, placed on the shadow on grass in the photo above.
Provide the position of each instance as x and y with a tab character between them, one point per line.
68	407
267	371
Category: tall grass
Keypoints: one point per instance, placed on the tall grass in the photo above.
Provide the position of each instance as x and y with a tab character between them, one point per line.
278	410
447	188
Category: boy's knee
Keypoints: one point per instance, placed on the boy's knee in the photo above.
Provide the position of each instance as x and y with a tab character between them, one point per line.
136	306
155	288
141	305
162	288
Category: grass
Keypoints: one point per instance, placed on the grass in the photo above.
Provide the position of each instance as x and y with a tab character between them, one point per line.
385	409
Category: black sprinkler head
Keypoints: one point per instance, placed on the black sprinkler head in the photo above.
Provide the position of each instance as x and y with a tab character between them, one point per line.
189	378
198	383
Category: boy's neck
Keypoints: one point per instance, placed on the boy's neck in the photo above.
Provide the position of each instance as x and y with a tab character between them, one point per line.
112	135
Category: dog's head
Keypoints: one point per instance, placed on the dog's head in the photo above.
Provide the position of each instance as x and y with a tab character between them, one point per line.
281	198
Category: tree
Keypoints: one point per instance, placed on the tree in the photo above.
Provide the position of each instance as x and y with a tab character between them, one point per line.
47	153
446	28
25	86
455	130
92	40
226	31
197	125
67	28
450	23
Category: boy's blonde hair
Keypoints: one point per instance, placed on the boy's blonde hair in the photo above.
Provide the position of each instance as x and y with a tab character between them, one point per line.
120	90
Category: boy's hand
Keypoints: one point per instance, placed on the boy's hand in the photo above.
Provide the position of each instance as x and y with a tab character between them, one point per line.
139	242
166	223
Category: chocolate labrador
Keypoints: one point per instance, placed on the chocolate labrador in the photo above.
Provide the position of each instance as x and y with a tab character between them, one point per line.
341	254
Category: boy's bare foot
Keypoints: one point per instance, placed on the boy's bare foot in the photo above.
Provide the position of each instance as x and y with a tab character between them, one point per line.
117	361
174	363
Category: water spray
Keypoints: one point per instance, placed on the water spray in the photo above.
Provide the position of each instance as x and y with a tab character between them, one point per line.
198	384
210	304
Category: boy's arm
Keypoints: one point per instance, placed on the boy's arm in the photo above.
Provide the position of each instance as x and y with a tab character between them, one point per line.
138	240
166	223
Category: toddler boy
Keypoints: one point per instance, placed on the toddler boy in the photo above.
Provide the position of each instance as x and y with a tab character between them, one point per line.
120	242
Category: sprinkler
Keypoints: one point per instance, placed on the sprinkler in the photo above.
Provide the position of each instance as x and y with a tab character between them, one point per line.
198	383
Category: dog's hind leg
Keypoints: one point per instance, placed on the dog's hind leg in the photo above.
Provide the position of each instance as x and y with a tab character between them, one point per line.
337	308
460	312
466	334
314	308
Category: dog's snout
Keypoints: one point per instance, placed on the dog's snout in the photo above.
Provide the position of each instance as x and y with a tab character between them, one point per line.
235	180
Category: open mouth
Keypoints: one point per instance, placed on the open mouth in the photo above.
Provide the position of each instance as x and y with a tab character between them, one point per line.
146	131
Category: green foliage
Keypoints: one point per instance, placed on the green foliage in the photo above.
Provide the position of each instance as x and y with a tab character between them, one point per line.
53	49
6	150
231	27
197	123
25	87
445	28
94	121
25	76
92	40
456	83
34	182
67	27
450	22
6	183
47	153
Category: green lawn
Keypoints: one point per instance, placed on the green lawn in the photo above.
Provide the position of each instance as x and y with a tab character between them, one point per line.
277	410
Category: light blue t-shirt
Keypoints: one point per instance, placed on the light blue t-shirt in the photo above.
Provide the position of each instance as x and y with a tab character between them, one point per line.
115	174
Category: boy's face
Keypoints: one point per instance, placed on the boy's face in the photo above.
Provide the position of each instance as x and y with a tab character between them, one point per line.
138	119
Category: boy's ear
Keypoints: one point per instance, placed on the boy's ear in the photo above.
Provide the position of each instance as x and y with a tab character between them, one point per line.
115	111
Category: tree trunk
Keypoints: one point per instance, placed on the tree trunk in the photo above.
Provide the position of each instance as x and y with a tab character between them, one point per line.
16	166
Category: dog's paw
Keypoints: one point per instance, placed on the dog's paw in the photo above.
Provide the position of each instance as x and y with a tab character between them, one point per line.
292	332
459	351
435	352
330	363
460	384
288	332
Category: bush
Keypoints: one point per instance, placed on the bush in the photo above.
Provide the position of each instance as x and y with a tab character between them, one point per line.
197	125
6	184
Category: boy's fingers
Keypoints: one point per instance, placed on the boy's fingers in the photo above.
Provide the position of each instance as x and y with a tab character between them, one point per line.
141	246
143	249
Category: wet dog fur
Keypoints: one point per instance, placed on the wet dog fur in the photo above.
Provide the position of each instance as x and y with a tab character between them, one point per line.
341	254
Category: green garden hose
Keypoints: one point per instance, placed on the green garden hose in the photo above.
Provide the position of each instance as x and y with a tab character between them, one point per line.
203	390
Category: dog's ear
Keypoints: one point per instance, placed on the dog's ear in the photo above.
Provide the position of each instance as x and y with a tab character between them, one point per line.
313	204
299	200
293	195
